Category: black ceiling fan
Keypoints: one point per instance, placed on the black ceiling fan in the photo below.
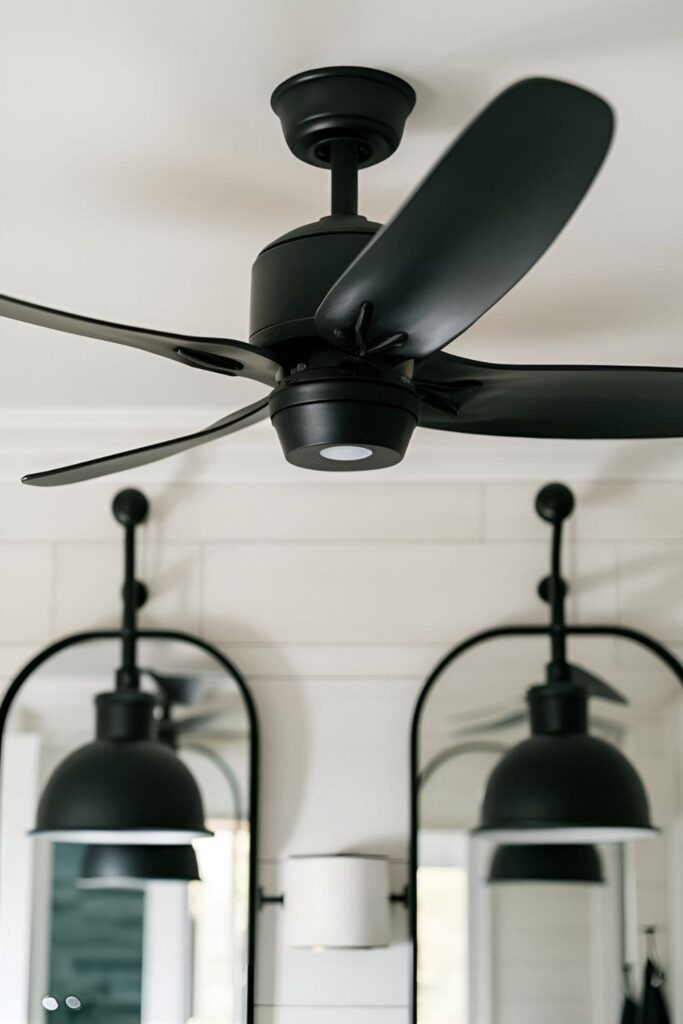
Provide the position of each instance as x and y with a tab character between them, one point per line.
348	318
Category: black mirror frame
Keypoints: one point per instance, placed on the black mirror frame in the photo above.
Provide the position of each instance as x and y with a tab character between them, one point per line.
254	759
623	632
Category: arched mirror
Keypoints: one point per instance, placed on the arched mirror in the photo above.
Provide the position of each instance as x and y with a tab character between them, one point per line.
540	890
128	826
116	933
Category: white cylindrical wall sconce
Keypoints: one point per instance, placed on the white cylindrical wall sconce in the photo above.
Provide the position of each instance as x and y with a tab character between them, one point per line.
339	901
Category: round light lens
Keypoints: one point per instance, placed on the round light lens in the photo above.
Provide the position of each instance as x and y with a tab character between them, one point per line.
346	452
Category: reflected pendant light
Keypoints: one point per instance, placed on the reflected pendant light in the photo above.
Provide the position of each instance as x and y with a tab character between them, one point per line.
546	863
126	786
133	867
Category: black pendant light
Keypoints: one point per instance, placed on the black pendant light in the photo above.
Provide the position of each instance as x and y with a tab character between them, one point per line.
125	786
133	867
562	785
546	863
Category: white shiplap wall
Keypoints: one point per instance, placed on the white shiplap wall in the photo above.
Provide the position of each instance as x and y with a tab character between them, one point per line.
336	601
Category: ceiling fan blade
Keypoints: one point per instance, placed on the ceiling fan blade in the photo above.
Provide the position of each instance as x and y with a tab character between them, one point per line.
595	686
480	220
550	401
151	452
234	358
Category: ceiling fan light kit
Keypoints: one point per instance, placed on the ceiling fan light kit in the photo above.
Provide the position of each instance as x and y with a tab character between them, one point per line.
349	317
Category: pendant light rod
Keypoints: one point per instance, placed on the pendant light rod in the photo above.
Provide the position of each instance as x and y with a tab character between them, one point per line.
130	508
554	504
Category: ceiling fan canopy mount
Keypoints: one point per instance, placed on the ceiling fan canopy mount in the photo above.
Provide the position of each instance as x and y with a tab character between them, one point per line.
362	107
348	318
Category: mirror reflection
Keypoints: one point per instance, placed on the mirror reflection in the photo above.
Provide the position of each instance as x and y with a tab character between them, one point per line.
147	919
520	932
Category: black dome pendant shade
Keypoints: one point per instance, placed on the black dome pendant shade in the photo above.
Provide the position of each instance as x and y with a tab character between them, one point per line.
126	786
579	864
132	867
562	785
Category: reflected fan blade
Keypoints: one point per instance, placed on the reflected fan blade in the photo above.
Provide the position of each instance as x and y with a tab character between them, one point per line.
493	725
151	452
594	686
218	355
178	689
550	401
479	221
193	723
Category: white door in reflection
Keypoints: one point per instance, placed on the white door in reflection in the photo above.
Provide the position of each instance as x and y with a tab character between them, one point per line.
454	928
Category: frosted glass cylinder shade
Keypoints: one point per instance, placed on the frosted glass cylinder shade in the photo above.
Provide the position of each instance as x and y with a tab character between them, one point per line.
337	901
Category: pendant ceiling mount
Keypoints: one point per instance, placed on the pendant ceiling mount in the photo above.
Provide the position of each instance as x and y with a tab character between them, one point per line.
349	318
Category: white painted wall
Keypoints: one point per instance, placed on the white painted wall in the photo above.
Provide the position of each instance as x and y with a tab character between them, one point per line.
336	599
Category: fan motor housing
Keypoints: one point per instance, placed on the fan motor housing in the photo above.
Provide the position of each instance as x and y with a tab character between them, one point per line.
293	274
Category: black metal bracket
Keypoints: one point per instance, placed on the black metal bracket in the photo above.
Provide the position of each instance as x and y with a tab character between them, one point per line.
264	899
360	331
402	897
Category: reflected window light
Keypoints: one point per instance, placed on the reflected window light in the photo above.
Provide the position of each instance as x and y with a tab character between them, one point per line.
50	1003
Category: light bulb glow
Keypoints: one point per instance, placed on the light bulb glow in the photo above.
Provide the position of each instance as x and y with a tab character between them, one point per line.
346	452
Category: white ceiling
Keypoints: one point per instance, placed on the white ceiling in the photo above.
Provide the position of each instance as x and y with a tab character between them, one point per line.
141	169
